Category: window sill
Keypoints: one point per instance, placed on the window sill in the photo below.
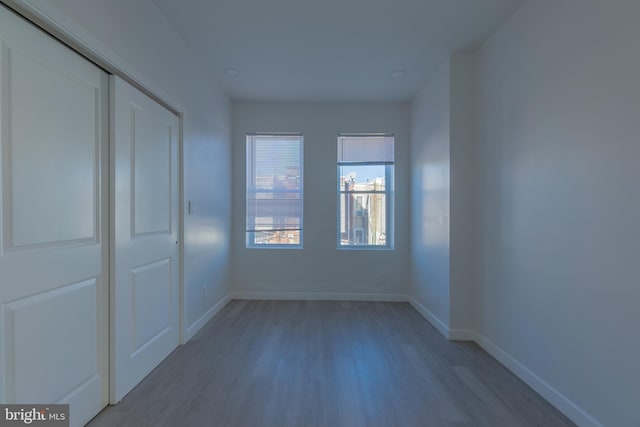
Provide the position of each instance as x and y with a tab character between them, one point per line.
270	247
364	248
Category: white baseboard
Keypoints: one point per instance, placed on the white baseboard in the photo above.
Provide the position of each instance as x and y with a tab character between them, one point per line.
317	296
461	335
553	396
195	327
431	318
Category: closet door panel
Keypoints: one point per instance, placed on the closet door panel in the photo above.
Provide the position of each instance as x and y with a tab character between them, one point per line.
53	194
145	261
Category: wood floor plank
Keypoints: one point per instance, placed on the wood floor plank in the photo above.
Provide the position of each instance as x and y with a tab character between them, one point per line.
321	363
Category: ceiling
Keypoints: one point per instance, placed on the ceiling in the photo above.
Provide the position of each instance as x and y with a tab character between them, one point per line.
331	50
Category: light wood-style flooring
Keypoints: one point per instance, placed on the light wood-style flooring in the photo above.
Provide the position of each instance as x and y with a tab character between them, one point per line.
327	363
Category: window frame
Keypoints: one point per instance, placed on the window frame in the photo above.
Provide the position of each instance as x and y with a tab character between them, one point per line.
359	210
389	192
250	235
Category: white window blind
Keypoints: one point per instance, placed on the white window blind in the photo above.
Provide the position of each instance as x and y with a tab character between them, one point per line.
365	149
274	190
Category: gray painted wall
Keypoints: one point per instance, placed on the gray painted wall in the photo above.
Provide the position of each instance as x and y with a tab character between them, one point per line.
558	236
320	269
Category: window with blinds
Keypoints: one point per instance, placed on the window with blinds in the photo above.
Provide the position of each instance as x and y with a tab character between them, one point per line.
365	191
274	190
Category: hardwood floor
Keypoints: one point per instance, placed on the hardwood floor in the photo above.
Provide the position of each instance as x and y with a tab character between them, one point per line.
321	363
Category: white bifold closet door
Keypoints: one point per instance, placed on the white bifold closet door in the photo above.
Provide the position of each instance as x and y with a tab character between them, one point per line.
145	254
53	216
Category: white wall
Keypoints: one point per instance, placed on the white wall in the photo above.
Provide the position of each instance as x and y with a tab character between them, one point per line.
442	198
136	37
320	269
558	234
430	198
462	231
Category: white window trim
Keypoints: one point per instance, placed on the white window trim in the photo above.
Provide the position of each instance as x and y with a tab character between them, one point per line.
250	241
389	201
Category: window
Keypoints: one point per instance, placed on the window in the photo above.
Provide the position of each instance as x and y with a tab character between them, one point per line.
359	205
365	190
274	191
